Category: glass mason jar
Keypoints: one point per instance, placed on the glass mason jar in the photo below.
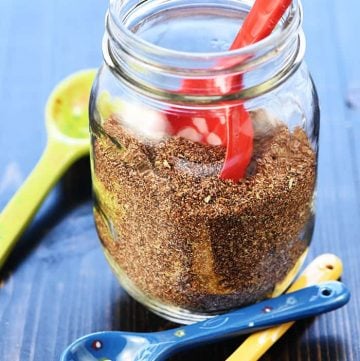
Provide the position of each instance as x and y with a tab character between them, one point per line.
203	159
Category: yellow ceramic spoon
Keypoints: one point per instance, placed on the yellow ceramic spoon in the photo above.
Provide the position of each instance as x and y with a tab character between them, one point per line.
67	126
326	267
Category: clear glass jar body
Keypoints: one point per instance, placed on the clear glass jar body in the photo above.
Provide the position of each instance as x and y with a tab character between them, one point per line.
183	241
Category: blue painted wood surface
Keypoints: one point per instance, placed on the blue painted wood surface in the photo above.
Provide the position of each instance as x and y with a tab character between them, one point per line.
57	285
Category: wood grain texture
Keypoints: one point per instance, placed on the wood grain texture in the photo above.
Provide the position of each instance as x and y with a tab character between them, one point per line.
57	285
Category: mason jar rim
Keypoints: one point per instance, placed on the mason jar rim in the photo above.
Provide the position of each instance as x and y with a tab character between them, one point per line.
292	21
155	70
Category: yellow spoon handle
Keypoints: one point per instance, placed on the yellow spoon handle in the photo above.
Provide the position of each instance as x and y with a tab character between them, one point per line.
18	213
326	267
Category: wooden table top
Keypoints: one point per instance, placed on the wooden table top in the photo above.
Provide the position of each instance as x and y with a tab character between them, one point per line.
57	286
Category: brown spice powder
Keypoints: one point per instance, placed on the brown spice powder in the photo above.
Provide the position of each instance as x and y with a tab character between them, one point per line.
189	239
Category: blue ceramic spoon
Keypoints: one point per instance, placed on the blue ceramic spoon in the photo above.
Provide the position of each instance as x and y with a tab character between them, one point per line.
132	346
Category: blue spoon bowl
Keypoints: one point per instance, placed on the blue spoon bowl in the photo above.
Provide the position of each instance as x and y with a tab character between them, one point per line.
134	346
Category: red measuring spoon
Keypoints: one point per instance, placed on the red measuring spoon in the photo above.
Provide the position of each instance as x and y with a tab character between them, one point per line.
259	23
232	126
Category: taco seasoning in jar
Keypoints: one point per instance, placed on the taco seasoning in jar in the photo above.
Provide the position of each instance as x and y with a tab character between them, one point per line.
189	230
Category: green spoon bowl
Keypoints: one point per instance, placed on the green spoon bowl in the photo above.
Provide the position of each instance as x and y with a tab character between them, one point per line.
67	124
66	110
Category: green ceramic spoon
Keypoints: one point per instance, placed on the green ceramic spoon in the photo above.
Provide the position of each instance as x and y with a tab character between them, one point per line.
67	126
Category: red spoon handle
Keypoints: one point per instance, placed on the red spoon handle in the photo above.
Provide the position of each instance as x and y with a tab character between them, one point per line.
260	22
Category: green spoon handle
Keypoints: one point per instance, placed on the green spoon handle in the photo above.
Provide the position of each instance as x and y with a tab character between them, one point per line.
18	213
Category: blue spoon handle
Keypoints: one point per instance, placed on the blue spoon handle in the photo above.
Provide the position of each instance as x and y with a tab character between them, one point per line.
304	303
